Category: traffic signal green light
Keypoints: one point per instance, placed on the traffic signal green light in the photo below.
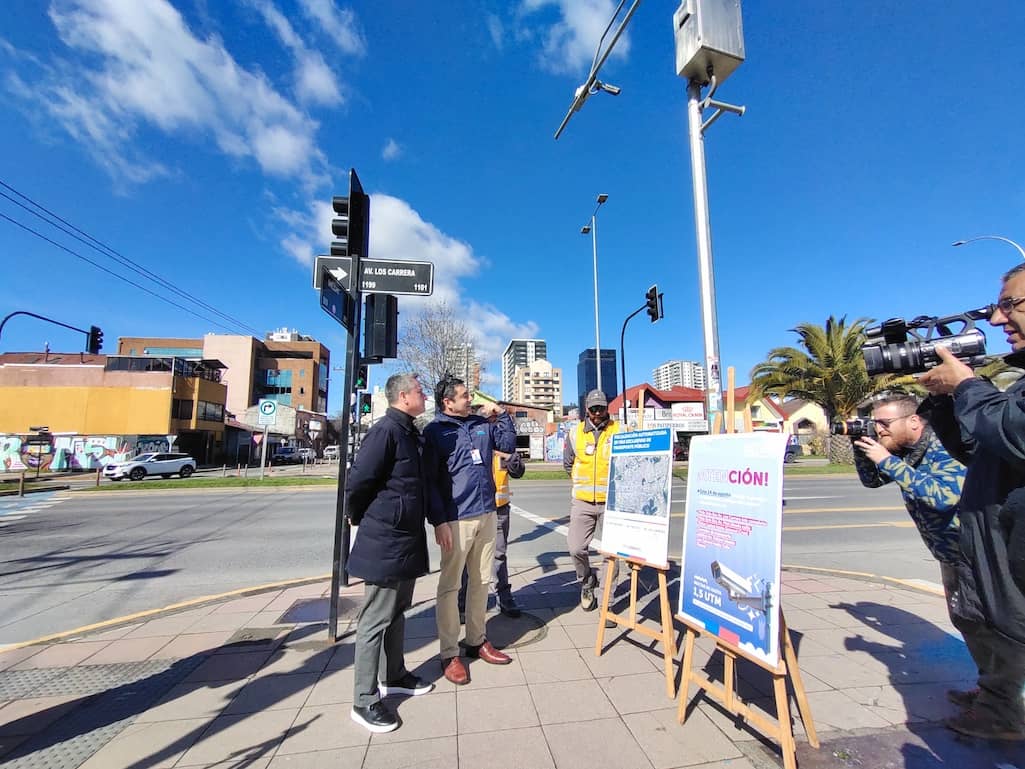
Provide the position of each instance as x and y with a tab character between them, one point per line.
362	377
365	403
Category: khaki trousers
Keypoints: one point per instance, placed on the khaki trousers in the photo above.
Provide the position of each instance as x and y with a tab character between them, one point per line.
473	548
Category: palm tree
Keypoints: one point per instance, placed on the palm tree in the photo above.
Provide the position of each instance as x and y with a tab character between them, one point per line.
829	371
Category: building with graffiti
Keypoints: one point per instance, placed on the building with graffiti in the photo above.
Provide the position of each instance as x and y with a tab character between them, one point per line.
64	453
97	406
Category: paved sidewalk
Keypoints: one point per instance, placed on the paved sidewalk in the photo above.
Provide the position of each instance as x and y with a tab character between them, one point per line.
252	682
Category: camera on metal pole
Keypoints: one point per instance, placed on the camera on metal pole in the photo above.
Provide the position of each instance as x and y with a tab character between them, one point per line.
709	47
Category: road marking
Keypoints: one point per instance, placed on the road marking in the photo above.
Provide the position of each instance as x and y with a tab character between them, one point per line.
881	524
549	524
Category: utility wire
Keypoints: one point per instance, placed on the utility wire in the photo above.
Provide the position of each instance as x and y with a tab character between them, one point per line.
101	247
117	275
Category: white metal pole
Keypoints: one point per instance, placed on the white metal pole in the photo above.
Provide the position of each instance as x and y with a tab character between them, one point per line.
597	333
703	232
993	237
263	450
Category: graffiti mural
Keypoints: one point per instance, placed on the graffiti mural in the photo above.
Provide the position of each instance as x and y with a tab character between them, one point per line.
61	453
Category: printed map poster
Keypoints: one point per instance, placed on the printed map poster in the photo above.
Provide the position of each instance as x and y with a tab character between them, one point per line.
636	522
729	578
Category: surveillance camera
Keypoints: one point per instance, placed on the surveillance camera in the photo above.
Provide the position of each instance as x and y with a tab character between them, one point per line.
730	580
609	88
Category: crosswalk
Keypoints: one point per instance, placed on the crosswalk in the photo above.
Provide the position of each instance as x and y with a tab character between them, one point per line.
14	509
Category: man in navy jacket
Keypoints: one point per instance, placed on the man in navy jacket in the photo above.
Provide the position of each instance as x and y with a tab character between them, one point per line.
386	491
458	449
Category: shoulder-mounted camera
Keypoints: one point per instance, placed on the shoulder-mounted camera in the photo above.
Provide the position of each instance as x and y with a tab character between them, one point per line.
899	346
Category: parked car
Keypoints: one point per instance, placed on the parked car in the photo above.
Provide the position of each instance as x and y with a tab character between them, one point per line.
307	454
332	452
151	463
793	449
286	455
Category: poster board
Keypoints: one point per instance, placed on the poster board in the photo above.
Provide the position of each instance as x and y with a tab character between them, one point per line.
636	520
730	575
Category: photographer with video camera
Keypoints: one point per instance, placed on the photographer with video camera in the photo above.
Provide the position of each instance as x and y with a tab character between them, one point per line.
985	429
905	451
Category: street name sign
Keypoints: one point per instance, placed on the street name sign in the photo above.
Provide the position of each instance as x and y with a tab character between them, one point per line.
337	302
385	276
338	267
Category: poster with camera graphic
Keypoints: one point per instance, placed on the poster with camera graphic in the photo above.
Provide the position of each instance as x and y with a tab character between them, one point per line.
730	575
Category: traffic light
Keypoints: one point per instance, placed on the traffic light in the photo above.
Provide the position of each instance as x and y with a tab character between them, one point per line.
95	343
381	324
366	402
362	375
654	303
351	225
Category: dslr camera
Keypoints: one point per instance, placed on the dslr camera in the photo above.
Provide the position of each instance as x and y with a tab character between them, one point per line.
855	428
899	346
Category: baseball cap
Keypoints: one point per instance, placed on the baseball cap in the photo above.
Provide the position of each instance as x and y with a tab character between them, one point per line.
595	398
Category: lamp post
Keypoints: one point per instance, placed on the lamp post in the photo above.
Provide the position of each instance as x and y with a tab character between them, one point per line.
991	237
593	229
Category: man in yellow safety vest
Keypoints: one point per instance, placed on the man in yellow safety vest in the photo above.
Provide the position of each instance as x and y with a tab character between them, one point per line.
586	458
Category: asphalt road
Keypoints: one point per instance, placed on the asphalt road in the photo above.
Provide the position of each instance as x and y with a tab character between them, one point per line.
72	559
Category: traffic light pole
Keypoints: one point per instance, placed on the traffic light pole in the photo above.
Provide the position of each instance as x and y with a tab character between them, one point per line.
622	354
343	531
43	317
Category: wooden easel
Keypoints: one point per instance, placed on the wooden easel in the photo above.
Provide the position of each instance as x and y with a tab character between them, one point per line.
782	730
630	622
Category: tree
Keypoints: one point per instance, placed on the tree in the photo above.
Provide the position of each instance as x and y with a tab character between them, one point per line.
829	371
429	340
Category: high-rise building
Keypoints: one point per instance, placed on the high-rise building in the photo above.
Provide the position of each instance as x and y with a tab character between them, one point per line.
461	361
520	352
538	384
587	375
680	373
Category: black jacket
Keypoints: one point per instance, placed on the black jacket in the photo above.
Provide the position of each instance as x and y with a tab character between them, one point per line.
984	428
386	498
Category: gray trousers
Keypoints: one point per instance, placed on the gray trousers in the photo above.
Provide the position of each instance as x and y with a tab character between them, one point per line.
584	518
380	634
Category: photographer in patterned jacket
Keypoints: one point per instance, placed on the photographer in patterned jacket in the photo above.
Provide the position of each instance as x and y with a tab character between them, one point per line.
907	453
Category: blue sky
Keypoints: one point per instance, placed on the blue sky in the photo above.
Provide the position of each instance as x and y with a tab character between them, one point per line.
204	140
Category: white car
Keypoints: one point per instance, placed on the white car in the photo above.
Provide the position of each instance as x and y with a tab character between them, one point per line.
151	463
332	452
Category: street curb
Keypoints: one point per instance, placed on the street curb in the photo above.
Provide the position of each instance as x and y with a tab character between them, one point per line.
863	576
147	614
33	491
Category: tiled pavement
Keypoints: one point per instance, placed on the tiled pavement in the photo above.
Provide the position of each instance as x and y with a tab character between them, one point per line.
252	682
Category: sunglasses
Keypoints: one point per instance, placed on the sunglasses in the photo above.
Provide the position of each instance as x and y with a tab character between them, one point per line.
597	409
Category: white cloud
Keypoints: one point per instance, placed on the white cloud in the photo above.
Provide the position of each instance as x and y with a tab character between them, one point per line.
391	150
339	25
315	83
139	66
496	30
570	42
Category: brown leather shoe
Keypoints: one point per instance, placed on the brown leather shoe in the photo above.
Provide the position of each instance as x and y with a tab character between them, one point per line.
488	653
455	671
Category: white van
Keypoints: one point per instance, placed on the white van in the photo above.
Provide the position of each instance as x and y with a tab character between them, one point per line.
332	452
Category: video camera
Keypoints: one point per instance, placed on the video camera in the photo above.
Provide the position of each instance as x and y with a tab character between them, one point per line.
898	346
855	428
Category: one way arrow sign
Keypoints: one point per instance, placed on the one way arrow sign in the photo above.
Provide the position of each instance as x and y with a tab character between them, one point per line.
338	267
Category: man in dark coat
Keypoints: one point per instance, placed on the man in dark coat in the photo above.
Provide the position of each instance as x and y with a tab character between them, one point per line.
386	499
984	428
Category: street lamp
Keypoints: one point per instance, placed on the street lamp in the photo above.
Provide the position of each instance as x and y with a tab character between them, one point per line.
593	229
991	237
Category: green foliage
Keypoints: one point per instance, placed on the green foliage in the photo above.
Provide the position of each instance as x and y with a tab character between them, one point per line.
827	369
